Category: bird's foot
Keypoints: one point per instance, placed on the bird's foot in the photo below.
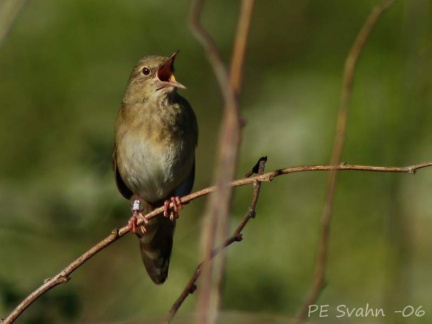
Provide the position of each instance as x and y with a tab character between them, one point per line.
136	215
133	222
176	206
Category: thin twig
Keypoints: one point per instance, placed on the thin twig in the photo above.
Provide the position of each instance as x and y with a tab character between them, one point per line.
339	140
215	226
235	237
64	275
216	215
238	55
212	52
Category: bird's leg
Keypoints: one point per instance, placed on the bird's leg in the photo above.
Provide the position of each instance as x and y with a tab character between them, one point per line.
176	206
136	213
136	206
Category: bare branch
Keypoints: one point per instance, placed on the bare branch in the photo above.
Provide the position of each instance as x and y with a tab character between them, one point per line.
339	140
237	58
212	52
235	237
215	226
64	275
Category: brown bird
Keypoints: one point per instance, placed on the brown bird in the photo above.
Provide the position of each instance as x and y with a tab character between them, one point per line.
156	133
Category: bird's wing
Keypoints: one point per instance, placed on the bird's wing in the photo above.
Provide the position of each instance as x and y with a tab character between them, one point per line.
186	186
121	186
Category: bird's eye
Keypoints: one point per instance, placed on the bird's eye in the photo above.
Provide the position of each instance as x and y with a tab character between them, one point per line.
145	70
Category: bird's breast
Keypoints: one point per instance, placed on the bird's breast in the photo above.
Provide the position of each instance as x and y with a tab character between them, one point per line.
154	168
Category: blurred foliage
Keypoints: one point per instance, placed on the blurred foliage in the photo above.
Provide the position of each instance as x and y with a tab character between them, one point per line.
64	67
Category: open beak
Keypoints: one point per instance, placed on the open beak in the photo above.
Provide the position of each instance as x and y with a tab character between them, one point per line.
165	72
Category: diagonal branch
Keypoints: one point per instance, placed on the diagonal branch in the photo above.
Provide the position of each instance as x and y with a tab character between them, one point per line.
339	140
238	55
215	226
235	237
64	275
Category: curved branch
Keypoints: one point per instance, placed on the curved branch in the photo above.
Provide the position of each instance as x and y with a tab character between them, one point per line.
64	275
235	237
216	223
338	145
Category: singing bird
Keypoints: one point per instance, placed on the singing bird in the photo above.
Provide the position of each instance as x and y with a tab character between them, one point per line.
156	134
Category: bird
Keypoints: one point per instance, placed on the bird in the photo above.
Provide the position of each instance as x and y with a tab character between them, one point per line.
155	137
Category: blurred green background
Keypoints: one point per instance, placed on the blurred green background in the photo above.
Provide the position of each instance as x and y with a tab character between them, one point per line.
64	67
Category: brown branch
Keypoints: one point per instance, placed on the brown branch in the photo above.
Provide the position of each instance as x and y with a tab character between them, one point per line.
216	215
212	52
215	226
235	237
339	140
64	275
238	55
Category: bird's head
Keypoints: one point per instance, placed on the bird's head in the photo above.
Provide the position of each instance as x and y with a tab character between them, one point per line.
152	75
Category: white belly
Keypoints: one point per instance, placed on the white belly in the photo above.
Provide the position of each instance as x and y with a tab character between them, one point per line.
154	171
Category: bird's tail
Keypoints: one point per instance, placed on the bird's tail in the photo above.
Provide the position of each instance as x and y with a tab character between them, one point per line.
156	245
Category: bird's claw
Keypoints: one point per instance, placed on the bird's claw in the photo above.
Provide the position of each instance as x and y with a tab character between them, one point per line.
134	220
176	206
